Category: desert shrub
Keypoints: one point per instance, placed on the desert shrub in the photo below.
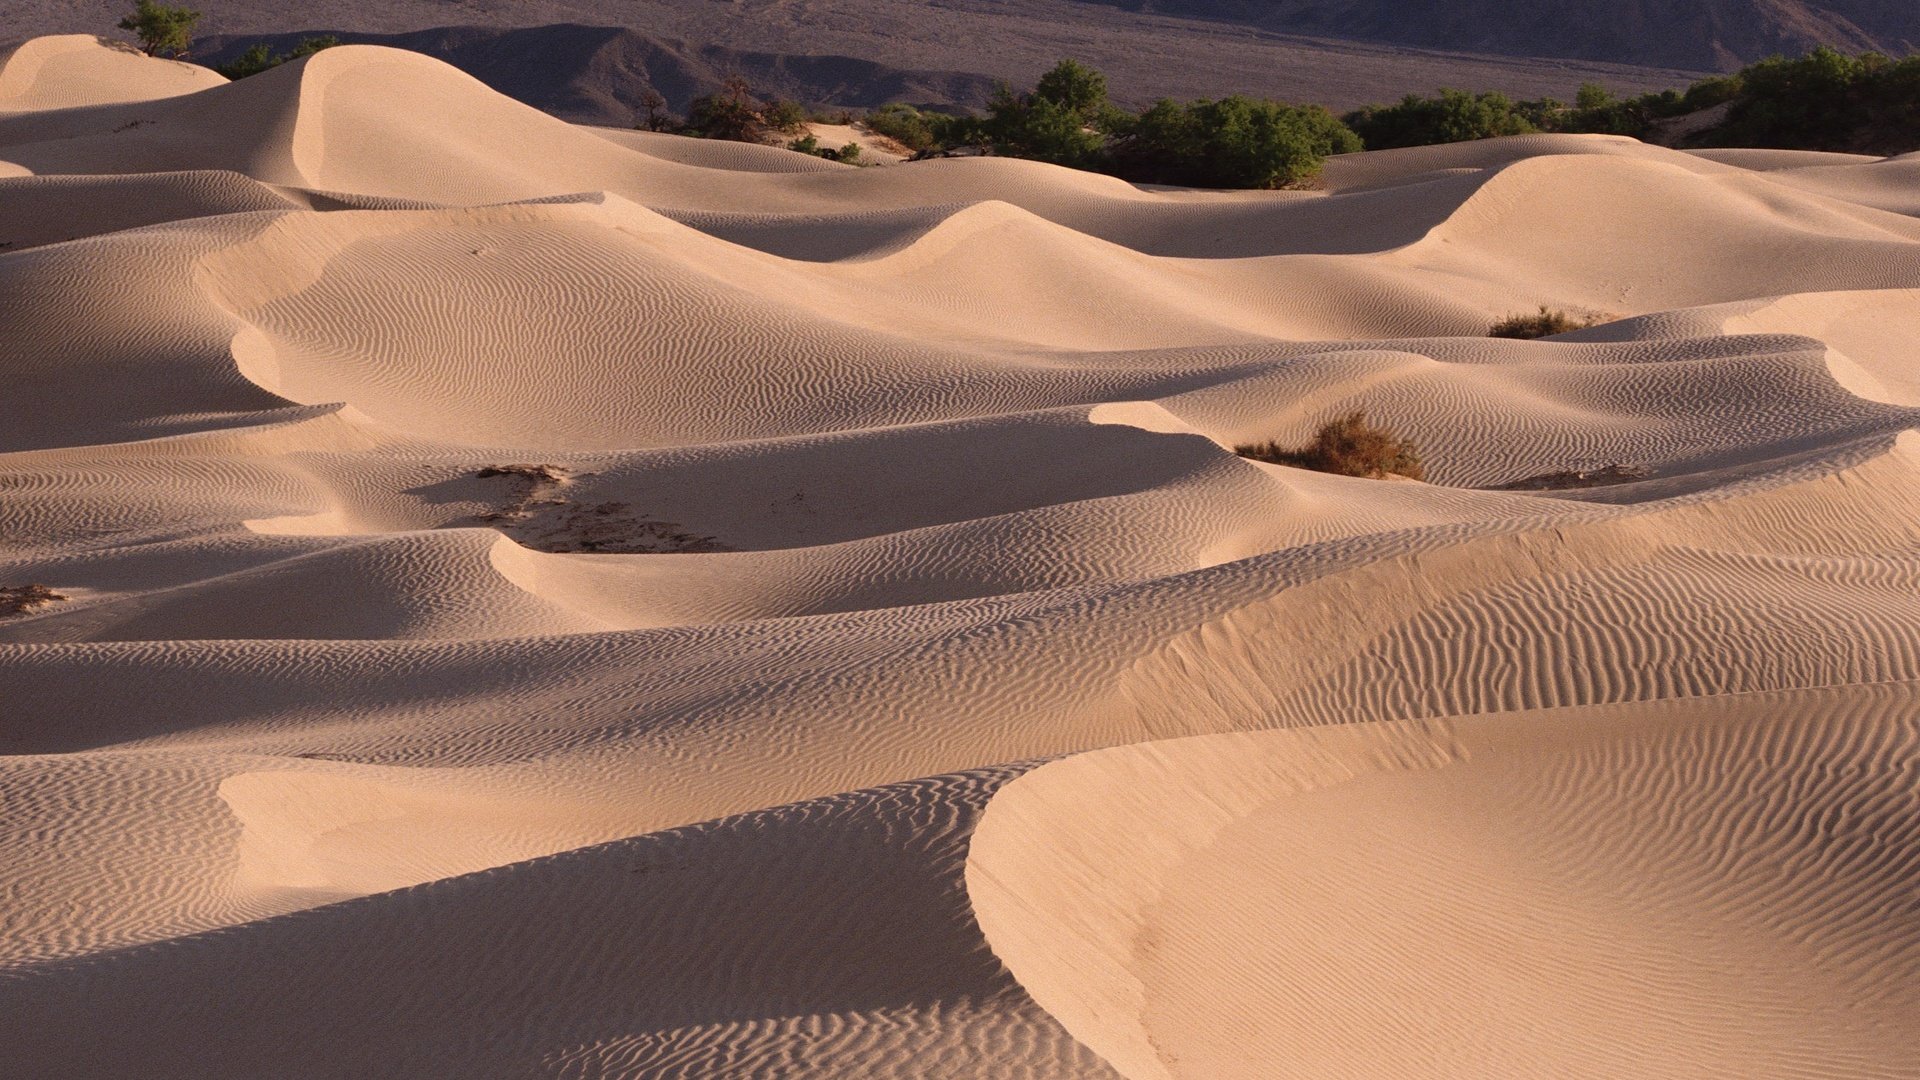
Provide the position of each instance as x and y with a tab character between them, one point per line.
163	31
783	116
657	118
1459	116
810	144
1056	124
905	125
1067	120
1349	446
1545	323
1793	102
731	112
1825	100
21	599
1710	91
260	57
1075	88
1597	112
255	60
1236	142
1453	116
735	113
1040	130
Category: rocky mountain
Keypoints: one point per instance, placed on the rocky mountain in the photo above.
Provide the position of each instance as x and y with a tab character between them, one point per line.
599	75
1706	34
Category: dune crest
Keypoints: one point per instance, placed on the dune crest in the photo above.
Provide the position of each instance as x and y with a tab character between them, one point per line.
492	597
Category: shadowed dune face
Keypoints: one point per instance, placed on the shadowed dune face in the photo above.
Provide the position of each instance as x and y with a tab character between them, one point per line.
498	590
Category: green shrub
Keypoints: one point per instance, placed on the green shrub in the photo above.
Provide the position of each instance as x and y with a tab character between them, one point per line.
905	125
1236	142
1349	446
1710	91
732	113
1057	125
810	144
1075	88
783	116
1453	116
163	31
1826	100
1066	119
1548	322
259	58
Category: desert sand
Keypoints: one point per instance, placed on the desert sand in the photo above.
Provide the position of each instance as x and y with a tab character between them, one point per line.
523	600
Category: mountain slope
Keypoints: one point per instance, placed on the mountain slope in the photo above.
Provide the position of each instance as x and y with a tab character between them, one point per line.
1719	34
599	74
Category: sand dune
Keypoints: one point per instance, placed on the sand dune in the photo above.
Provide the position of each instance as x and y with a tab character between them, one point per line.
1725	877
531	601
73	71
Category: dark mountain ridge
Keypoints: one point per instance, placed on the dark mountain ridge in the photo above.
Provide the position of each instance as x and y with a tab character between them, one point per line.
599	74
1700	34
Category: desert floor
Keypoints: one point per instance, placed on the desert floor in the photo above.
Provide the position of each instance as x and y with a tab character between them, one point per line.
546	601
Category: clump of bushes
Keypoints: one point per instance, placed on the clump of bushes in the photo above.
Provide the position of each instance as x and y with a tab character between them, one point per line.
810	144
1348	446
261	57
1544	323
1064	119
1067	119
1825	100
1458	116
1234	142
735	113
1453	116
916	130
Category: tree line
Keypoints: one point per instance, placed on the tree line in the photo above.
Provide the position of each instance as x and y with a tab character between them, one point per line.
1825	100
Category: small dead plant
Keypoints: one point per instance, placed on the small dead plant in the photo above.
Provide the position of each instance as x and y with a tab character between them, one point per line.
1347	446
1548	322
23	599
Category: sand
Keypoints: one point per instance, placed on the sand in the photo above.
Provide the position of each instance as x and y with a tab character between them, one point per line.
542	601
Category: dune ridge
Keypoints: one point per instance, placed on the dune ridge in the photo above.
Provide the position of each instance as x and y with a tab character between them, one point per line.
533	603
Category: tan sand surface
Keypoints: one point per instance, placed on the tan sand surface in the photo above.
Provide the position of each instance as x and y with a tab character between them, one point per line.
533	600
